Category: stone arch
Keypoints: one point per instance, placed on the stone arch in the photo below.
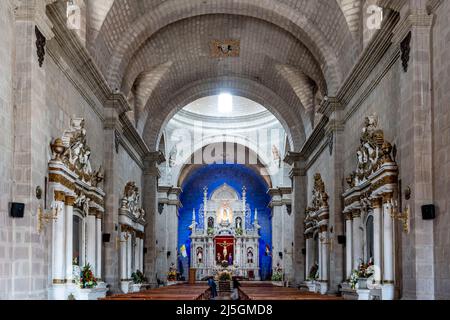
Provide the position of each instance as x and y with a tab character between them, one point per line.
290	119
330	43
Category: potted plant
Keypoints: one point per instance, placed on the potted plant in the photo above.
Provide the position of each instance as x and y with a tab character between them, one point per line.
172	274
87	285
138	280
359	277
277	275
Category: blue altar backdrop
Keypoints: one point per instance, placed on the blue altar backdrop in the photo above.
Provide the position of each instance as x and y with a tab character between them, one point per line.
236	176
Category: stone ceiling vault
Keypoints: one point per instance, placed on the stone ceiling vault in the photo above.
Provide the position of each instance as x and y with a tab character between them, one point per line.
156	51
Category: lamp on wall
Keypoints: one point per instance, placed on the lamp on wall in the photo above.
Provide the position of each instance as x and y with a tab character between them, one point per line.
403	217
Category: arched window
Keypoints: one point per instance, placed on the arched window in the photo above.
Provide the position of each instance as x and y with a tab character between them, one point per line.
369	237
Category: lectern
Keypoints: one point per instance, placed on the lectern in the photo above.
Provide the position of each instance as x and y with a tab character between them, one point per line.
192	275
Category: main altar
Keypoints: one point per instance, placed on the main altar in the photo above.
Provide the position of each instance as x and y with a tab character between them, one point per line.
224	235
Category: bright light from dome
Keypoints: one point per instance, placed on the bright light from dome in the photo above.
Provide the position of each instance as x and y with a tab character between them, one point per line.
225	103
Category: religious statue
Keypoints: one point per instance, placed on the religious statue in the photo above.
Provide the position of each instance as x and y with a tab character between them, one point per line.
224	245
173	157
238	223
210	222
250	256
225	214
199	255
230	259
276	156
219	257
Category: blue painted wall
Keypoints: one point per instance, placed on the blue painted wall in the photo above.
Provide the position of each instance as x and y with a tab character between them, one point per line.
236	176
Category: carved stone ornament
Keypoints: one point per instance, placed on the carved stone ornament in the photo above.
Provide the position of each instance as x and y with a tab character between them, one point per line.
225	48
40	46
405	47
72	150
319	202
131	201
371	154
330	143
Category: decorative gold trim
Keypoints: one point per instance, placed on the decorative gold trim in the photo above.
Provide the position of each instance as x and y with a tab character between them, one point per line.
59	281
70	201
376	203
387	197
60	196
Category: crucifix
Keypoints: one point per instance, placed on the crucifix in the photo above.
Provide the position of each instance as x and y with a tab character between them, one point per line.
224	245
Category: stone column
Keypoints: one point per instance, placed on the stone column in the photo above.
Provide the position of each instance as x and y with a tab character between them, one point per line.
325	243
413	37
113	189
129	256
150	204
277	228
91	238
30	145
299	204
123	262
308	259
59	249
336	144
388	252
357	239
70	200
98	234
377	236
348	245
172	227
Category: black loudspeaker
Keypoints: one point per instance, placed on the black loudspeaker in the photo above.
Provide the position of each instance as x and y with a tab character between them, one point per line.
17	210
145	250
106	237
429	212
304	251
341	239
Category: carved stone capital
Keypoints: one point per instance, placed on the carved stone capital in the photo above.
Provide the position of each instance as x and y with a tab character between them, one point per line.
70	201
387	197
293	157
60	196
376	202
356	214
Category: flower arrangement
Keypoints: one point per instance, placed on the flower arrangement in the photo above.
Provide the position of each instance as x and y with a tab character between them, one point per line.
225	276
239	232
210	231
138	277
277	274
87	279
364	271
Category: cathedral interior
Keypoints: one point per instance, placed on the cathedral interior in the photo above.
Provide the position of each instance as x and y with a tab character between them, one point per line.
298	144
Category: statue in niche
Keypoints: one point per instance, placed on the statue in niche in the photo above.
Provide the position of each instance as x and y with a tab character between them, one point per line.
173	156
238	223
219	257
200	255
210	223
225	214
276	156
250	256
98	177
